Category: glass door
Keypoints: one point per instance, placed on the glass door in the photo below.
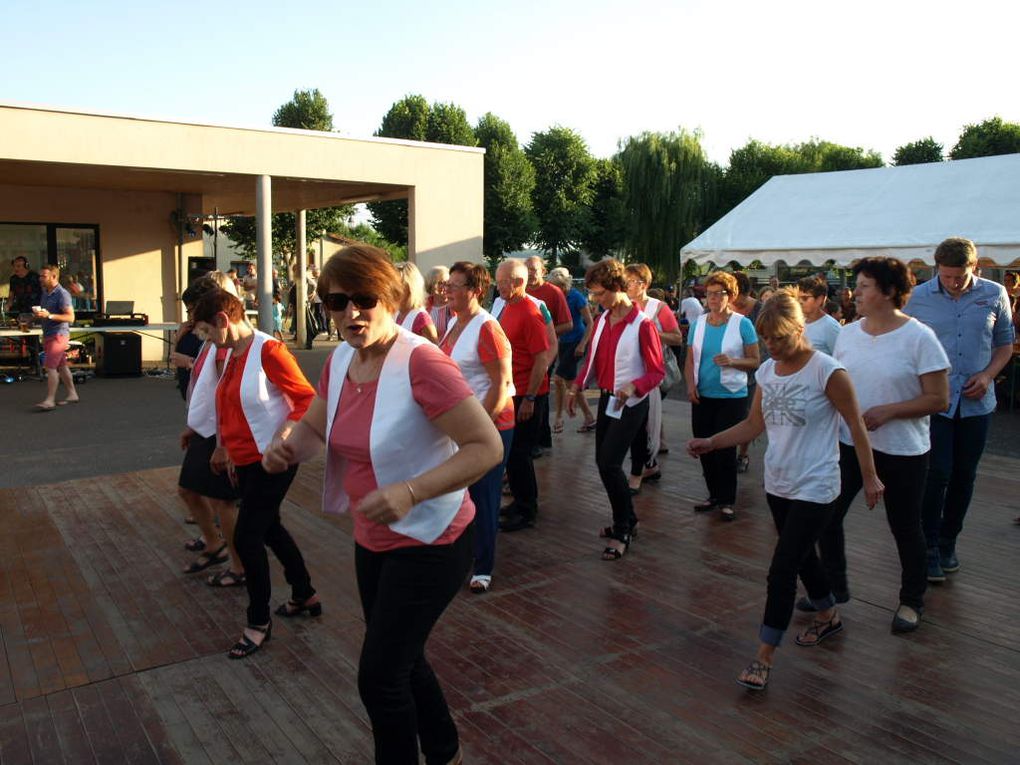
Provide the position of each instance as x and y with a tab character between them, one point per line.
76	249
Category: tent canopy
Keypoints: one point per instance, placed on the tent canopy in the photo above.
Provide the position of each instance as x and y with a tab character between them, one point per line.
903	212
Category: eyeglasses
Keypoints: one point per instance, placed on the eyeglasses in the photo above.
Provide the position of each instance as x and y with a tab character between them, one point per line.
452	286
716	293
337	301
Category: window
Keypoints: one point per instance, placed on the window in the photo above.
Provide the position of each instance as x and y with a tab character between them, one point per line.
73	248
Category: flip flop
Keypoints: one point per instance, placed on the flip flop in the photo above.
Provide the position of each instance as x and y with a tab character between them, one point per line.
44	408
557	427
67	401
588	427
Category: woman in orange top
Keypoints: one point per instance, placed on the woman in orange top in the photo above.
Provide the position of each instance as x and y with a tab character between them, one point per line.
262	394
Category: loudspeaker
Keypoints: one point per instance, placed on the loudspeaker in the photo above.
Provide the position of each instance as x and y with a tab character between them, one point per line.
118	354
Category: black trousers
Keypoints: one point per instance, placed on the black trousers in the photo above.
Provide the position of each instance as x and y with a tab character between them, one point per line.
613	439
403	594
903	478
799	525
258	527
520	469
639	453
708	417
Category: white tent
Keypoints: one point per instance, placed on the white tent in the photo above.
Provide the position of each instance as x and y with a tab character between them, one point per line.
902	212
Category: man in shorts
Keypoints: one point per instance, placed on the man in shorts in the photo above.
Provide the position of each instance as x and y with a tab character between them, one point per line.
56	312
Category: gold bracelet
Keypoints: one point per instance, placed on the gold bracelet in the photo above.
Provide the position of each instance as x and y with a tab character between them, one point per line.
414	499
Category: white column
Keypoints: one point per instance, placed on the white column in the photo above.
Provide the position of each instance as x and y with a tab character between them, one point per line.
264	250
412	238
300	290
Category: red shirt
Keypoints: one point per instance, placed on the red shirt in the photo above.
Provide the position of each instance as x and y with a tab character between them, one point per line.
667	319
437	386
492	346
555	301
525	329
283	372
605	355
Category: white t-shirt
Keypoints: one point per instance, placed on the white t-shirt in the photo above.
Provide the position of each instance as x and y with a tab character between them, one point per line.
802	458
823	333
887	369
691	309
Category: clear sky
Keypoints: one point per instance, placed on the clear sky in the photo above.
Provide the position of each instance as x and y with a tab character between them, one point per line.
867	73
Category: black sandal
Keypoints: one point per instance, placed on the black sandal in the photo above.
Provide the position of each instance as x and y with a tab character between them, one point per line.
207	559
294	608
195	545
759	668
226	578
606	532
613	553
245	647
820	630
708	504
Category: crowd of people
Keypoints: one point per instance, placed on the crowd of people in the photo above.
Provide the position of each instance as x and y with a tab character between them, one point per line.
897	398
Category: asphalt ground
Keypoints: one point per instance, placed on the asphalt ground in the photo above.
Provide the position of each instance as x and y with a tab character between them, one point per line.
134	423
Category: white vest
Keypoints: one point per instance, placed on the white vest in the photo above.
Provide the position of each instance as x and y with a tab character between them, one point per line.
465	353
408	321
629	364
264	405
652	306
202	392
402	442
732	379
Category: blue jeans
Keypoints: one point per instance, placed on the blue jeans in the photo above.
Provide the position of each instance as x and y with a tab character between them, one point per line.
486	493
956	448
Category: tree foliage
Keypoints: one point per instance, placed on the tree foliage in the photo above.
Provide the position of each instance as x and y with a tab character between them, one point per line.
918	152
564	173
665	177
605	224
411	118
987	139
509	183
308	110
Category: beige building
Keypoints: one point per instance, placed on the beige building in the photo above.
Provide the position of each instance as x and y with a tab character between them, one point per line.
111	199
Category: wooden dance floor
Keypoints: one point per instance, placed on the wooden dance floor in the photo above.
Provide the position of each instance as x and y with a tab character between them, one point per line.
110	654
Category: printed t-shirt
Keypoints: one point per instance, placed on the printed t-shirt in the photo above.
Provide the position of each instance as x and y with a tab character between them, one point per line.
554	300
576	303
605	356
524	326
492	346
709	376
802	458
437	386
886	369
823	333
282	371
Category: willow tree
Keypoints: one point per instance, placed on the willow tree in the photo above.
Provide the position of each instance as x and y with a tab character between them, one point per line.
665	176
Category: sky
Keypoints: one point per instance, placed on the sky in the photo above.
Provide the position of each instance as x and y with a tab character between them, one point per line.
869	74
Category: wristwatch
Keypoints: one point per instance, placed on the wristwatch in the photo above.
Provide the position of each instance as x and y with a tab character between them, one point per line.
530	397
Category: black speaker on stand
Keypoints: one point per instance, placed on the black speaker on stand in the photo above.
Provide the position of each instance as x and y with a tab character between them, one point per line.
118	354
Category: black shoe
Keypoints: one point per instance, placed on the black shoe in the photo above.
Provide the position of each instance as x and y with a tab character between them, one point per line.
708	504
515	522
805	605
537	452
903	623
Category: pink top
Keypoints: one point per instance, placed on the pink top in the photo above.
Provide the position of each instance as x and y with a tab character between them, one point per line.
437	386
421	321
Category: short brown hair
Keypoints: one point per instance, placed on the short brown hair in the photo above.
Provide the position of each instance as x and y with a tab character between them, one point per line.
608	274
476	277
780	315
891	276
218	301
640	271
725	280
743	283
956	252
364	269
813	286
52	268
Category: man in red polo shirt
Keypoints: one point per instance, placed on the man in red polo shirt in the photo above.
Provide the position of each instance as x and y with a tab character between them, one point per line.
532	353
556	302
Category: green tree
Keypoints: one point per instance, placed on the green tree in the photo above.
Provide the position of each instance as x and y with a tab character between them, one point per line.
564	173
509	183
411	118
308	110
605	225
918	152
665	177
987	139
825	156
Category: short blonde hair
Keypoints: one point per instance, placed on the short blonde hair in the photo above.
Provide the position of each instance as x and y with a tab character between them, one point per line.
414	285
640	271
436	275
223	281
780	315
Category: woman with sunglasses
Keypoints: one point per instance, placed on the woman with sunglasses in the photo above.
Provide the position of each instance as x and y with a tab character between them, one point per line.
476	341
411	313
405	435
261	394
723	349
625	357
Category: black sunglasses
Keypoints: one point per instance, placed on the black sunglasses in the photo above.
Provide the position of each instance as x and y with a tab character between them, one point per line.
337	301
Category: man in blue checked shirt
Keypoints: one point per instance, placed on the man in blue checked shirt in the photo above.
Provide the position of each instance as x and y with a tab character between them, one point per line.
973	321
